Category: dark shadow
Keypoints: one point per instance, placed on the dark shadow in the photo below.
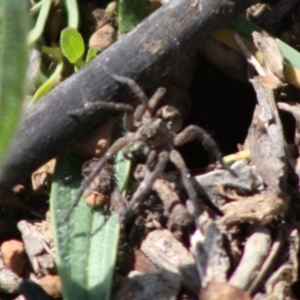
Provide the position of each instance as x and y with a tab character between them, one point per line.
222	106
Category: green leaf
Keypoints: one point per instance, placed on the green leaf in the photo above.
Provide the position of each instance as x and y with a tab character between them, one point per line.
86	243
48	84
54	52
122	167
130	13
92	53
37	31
72	44
13	64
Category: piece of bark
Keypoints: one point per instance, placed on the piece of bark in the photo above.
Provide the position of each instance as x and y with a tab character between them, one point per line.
39	246
207	246
278	286
253	257
224	291
259	208
167	253
151	285
268	148
268	262
267	145
294	109
247	179
144	55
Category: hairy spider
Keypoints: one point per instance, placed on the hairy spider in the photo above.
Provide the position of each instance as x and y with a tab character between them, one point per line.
155	136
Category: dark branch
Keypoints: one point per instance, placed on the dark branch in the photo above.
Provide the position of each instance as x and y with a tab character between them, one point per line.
143	55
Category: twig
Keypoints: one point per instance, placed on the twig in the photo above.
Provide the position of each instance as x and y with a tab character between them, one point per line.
267	264
252	258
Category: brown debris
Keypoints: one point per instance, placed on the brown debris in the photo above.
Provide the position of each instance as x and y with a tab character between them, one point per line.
97	142
246	178
266	138
207	247
41	178
102	186
103	38
39	245
260	208
167	253
252	258
160	285
224	291
14	257
175	210
273	59
52	285
142	263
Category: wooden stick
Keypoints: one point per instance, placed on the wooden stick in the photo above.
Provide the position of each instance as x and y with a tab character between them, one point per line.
143	55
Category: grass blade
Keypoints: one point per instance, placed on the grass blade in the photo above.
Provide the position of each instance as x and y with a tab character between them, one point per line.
86	243
38	29
13	65
48	84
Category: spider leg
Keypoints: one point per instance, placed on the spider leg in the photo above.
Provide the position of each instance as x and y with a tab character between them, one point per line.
179	163
131	83
146	185
140	94
153	102
91	107
150	162
111	152
191	133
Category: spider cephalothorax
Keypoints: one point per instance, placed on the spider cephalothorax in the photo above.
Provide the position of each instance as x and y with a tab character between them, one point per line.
155	135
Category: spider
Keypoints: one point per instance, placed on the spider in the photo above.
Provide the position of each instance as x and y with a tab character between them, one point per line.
155	135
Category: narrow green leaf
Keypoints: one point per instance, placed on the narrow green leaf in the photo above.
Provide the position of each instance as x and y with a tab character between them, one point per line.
36	8
122	167
244	27
72	44
38	29
130	13
48	84
13	64
86	243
